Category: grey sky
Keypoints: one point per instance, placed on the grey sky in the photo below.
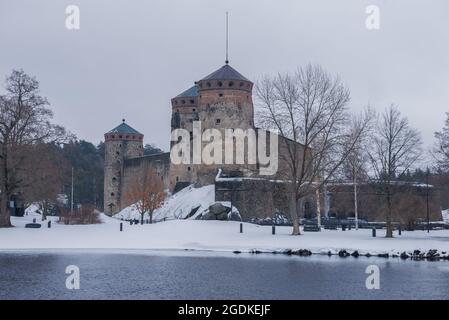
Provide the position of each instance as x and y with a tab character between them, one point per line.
130	57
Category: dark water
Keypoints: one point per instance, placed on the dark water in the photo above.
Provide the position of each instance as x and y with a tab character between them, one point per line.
149	275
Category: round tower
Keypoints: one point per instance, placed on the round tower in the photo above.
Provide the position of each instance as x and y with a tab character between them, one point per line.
121	143
222	100
226	98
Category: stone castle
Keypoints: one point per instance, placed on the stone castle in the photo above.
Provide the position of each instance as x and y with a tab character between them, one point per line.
221	100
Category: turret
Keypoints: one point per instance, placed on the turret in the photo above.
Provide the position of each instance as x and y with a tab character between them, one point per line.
120	143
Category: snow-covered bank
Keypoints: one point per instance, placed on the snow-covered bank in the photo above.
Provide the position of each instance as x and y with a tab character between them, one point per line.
177	206
214	236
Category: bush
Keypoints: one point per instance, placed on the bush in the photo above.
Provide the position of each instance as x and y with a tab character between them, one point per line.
87	214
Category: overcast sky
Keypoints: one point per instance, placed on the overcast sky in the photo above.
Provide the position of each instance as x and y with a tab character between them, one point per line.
129	58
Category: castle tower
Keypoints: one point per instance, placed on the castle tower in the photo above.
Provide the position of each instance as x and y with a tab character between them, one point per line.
121	143
221	100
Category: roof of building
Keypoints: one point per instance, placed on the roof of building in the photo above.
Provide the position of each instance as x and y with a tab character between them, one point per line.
191	92
225	73
124	128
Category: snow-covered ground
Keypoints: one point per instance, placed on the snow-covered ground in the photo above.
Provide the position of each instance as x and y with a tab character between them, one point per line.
177	206
445	214
209	236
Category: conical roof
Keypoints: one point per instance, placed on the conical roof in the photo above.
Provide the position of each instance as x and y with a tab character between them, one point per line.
225	73
191	92
124	128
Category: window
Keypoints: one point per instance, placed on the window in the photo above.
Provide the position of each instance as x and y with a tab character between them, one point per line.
220	84
231	84
119	137
176	102
183	101
208	84
220	94
114	179
118	153
241	84
177	179
192	101
188	168
217	121
193	109
112	194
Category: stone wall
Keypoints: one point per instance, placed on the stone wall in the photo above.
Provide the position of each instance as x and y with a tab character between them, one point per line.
253	198
137	167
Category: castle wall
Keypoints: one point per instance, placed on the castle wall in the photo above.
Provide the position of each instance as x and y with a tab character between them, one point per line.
216	108
137	167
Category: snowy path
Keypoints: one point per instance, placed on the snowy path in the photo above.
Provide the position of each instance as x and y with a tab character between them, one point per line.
210	236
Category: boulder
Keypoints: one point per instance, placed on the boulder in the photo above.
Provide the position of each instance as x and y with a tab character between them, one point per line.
343	253
355	254
217	208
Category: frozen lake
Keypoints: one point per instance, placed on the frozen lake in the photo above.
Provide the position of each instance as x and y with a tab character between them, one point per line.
187	275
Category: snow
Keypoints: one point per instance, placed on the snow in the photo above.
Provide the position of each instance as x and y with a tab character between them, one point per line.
177	206
202	235
445	214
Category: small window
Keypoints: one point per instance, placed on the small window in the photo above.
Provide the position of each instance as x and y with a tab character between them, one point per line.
112	194
217	121
188	168
112	136
220	84
118	153
192	101
231	84
120	137
193	109
208	84
177	110
177	179
241	84
114	179
176	102
220	94
183	101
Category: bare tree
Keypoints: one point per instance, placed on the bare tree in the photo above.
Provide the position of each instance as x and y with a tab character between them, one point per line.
146	193
309	111
45	176
24	121
355	165
441	150
395	148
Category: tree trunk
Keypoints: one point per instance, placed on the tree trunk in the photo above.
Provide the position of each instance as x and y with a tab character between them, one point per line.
141	217
294	215
151	217
5	220
44	211
318	207
389	232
